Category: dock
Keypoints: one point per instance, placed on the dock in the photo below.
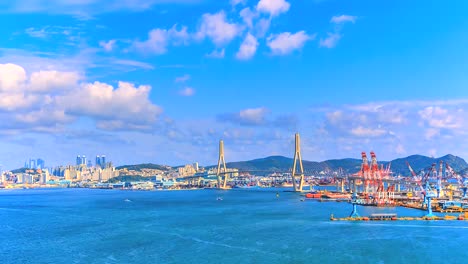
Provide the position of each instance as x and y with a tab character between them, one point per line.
394	217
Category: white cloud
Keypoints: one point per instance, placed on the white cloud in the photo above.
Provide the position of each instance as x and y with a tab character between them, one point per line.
156	43
430	133
400	149
248	48
262	26
137	64
237	2
17	101
286	42
11	77
83	8
182	79
50	81
216	54
248	117
218	29
273	7
47	100
36	33
254	115
330	41
343	19
108	45
438	117
187	91
248	16
368	132
113	108
159	40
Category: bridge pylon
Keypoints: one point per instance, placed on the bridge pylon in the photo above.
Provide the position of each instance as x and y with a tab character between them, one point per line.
221	160
297	159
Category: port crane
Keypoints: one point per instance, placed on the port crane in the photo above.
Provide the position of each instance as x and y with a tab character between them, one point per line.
417	179
462	182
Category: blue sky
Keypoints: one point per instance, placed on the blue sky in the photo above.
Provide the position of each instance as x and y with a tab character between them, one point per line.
162	81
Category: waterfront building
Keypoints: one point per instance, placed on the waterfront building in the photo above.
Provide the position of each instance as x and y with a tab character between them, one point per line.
187	170
44	177
19	178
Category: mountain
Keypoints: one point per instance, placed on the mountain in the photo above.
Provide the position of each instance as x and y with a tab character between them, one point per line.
139	167
398	166
283	164
419	162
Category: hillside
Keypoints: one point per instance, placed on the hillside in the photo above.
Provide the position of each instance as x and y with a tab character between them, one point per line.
280	163
139	167
398	166
284	164
419	162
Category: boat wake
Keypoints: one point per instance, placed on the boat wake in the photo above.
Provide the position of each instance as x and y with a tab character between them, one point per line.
198	240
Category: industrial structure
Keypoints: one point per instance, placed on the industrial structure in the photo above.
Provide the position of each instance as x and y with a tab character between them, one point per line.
298	187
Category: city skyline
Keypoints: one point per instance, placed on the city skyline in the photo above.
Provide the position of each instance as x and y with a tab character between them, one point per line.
164	81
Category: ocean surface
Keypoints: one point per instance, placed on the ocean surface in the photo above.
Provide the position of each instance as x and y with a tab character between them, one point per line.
246	226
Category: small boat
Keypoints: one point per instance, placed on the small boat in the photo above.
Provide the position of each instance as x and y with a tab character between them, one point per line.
313	195
127	200
219	198
337	196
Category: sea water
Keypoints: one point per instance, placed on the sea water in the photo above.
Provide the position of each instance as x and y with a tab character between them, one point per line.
211	226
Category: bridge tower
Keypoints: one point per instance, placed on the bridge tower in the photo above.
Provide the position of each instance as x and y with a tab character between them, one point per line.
219	172
300	174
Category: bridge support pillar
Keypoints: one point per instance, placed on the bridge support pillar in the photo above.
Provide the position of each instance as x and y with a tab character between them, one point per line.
221	160
297	159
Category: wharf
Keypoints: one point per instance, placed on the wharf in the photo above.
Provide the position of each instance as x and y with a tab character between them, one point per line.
393	217
436	209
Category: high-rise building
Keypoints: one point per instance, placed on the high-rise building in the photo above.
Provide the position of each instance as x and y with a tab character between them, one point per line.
81	160
32	164
40	163
101	161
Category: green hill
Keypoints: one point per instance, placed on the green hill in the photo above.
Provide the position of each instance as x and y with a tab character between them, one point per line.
139	167
398	166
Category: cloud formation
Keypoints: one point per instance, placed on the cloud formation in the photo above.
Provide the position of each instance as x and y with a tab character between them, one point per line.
273	7
343	19
286	42
330	41
159	40
216	54
397	128
334	37
108	45
183	78
187	91
248	48
217	28
49	100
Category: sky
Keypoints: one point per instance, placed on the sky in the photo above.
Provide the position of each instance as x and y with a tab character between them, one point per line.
163	81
